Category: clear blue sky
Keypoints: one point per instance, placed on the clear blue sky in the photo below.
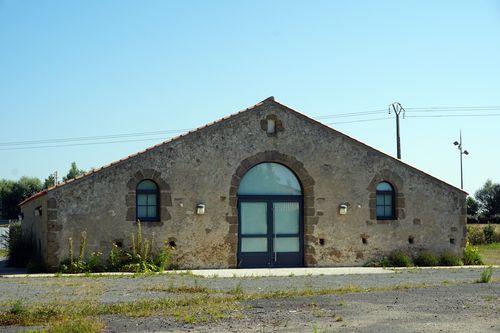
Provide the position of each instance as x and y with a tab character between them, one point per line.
85	68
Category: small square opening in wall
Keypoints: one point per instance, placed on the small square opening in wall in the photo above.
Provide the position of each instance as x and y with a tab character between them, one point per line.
321	241
452	240
411	240
364	240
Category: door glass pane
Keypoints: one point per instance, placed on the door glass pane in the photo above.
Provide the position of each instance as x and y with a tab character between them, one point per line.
142	199
253	218
269	178
146	185
286	217
286	244
251	244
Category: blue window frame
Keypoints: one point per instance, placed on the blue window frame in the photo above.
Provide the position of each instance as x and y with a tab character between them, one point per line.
385	202
147	201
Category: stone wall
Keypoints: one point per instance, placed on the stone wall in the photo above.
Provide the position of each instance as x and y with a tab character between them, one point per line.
206	166
34	225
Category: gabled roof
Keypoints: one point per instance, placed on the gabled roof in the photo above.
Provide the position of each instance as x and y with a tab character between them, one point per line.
269	100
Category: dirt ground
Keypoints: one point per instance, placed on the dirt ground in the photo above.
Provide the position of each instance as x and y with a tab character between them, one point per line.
411	300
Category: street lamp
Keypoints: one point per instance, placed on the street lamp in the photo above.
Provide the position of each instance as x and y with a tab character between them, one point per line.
462	152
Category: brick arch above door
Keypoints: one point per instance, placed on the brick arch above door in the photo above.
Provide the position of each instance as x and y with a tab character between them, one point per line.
307	182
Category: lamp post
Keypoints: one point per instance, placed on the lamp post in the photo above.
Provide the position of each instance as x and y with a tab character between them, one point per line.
462	152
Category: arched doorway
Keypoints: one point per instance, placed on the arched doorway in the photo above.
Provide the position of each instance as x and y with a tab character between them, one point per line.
270	218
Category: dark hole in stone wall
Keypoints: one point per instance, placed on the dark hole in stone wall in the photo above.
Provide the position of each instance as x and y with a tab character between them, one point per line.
321	241
452	240
118	242
172	244
364	240
411	239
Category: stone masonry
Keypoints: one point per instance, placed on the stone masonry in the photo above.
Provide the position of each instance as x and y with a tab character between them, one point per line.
205	167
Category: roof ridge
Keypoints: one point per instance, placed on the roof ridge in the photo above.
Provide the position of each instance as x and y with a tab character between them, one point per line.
106	166
270	99
368	146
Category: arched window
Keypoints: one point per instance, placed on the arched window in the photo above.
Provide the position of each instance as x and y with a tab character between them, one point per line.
269	179
148	198
385	202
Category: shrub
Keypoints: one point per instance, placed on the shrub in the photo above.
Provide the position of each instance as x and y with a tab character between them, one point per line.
400	259
382	262
142	257
448	258
486	275
21	248
72	264
489	233
475	235
426	258
471	255
95	263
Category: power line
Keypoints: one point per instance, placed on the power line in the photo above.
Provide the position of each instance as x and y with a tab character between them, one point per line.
455	115
455	107
351	114
87	138
77	141
357	121
82	144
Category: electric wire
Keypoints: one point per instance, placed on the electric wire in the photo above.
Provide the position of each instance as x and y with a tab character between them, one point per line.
80	141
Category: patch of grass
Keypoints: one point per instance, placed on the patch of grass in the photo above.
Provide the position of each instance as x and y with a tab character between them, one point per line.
237	290
426	259
486	275
199	309
196	289
83	325
448	258
203	305
490	253
400	259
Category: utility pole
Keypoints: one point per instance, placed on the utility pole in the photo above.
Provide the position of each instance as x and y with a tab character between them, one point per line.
55	178
462	152
398	109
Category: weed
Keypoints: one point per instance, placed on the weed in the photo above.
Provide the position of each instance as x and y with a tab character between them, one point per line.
237	290
471	255
400	259
426	258
17	308
486	275
83	325
450	259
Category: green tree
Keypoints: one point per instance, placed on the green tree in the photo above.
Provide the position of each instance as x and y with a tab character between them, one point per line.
49	181
13	192
472	206
73	172
488	198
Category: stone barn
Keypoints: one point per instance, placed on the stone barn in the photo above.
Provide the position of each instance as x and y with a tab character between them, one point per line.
265	187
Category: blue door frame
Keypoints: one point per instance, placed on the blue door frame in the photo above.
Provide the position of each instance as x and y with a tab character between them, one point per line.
270	259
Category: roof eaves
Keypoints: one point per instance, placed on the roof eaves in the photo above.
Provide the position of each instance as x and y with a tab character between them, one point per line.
369	147
94	171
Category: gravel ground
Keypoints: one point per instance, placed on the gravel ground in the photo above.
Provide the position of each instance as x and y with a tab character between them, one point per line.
450	301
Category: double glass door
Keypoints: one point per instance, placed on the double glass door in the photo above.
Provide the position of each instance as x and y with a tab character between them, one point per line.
270	231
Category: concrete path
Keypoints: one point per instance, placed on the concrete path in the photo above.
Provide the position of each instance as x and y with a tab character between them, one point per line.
303	271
